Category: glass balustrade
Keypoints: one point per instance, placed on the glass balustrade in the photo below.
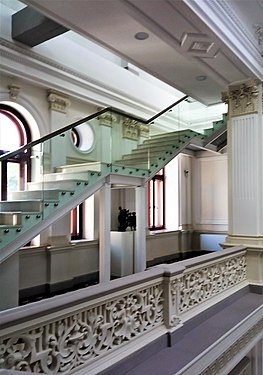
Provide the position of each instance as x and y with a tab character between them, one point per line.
64	164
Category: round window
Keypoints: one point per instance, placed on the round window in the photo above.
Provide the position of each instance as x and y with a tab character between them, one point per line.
82	137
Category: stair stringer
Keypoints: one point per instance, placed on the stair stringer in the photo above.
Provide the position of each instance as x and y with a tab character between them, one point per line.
13	246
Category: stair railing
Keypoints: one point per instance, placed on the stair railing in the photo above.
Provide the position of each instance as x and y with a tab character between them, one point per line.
29	145
63	175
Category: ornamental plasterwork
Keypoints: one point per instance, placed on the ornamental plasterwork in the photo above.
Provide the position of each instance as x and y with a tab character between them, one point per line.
75	340
58	102
144	130
107	119
174	295
242	99
203	283
14	91
218	365
199	45
133	129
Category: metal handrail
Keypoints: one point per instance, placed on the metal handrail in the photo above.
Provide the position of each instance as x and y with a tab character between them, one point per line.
79	122
166	109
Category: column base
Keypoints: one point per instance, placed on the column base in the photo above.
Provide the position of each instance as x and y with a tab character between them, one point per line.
251	241
254	247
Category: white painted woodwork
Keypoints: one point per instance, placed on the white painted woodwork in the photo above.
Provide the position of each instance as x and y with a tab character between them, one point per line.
104	234
140	233
122	253
210	193
246	176
9	282
133	296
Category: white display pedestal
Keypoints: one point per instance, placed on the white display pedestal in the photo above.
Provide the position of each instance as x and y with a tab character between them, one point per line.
122	253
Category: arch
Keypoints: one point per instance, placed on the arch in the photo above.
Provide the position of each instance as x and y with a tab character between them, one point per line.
27	116
16	171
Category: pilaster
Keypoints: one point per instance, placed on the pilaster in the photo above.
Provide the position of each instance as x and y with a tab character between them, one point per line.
55	152
105	122
58	106
245	160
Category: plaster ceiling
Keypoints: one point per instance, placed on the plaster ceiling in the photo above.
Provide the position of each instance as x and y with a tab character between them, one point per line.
184	43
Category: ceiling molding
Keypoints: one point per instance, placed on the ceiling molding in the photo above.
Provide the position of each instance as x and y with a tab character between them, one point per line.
222	20
43	67
199	45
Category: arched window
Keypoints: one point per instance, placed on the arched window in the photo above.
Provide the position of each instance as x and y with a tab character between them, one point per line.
14	133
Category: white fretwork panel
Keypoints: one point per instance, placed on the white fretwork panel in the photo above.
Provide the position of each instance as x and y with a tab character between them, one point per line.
77	339
201	284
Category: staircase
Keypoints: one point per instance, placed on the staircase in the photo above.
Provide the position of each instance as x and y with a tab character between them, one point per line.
154	153
44	202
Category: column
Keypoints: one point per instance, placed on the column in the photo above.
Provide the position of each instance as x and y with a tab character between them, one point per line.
104	234
140	233
245	161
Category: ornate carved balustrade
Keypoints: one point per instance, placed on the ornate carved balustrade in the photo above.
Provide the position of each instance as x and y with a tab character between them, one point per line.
87	328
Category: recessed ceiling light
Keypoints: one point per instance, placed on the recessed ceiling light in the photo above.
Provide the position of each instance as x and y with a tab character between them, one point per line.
201	78
141	35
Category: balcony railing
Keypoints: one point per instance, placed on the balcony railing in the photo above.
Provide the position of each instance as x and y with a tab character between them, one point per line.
87	328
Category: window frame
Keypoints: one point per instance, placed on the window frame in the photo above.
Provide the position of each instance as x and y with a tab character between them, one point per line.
76	222
158	183
23	158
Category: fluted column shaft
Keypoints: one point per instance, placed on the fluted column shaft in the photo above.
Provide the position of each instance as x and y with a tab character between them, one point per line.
245	160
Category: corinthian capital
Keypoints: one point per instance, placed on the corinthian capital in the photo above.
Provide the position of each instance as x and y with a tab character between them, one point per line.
242	98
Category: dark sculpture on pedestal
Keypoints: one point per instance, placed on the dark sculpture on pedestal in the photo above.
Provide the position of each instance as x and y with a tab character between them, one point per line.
126	219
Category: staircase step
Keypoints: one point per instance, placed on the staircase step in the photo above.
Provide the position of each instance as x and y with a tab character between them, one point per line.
21	205
162	144
10	218
60	176
175	134
82	167
37	194
156	149
146	156
166	140
62	185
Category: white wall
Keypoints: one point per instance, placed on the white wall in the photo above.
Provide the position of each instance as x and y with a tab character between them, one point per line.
210	192
9	273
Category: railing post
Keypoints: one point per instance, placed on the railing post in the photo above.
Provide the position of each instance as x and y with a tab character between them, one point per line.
255	267
172	299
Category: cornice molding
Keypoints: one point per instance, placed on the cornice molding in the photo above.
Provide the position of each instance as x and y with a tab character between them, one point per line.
93	91
46	72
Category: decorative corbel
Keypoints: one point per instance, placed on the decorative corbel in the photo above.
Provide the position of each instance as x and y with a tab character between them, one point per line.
57	101
13	91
